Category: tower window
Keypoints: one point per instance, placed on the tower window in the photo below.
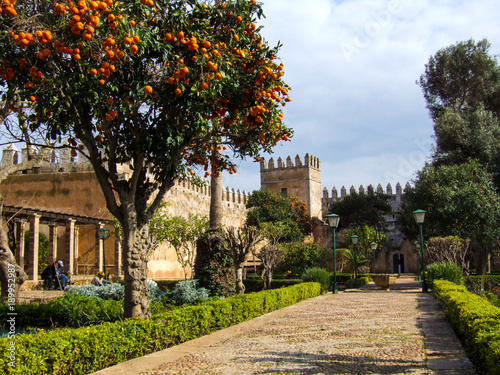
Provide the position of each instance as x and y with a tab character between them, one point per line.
284	192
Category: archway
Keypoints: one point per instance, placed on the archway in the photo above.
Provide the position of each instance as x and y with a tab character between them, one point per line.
398	263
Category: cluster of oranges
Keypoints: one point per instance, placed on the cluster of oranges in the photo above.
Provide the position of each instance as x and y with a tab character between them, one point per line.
7	7
23	39
6	73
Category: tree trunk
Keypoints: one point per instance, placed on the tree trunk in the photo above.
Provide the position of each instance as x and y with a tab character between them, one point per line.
216	188
135	262
11	275
267	276
240	287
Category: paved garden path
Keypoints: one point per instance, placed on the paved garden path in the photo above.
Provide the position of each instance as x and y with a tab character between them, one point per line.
366	331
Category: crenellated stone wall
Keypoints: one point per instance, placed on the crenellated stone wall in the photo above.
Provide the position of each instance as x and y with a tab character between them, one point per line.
69	186
299	178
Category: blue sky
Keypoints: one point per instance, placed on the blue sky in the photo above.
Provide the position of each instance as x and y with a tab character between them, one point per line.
352	66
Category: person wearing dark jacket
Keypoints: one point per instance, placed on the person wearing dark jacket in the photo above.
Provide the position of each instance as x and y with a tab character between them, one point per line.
49	274
53	272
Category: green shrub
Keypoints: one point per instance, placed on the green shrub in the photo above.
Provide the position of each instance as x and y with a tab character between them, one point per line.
360	281
476	322
444	271
257	285
187	293
114	292
297	257
319	275
89	349
67	311
475	284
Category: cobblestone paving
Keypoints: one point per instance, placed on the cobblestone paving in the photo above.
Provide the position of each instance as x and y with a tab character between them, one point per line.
369	332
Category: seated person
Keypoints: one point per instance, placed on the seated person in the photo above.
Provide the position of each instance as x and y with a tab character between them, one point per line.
54	272
49	274
99	280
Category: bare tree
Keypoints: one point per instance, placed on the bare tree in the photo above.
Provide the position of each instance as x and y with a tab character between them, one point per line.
270	256
240	242
449	249
7	259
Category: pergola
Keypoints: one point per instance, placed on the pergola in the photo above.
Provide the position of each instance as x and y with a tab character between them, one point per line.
21	217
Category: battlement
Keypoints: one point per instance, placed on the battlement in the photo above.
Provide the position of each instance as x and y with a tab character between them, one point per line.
56	160
61	161
308	162
361	190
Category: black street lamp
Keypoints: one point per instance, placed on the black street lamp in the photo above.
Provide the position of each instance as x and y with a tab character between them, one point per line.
419	216
102	233
419	264
373	246
333	222
354	240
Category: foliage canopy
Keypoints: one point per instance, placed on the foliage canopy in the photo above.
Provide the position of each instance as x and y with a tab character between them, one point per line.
148	88
284	219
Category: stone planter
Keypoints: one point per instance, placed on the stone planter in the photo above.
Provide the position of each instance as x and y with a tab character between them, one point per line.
384	281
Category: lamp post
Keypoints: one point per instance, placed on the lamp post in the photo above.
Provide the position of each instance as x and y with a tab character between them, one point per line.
333	222
373	246
419	216
419	264
354	240
102	233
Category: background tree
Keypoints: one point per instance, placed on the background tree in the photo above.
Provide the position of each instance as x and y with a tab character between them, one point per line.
461	86
240	242
136	86
358	210
355	260
366	235
7	259
297	257
288	213
181	233
450	249
271	256
460	200
460	76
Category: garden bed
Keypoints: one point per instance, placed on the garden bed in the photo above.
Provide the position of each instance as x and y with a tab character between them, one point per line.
89	349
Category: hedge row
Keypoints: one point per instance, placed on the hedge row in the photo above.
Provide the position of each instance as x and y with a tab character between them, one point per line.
474	283
476	322
256	285
67	311
89	349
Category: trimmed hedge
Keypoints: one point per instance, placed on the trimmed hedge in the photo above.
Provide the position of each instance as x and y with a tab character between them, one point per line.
89	349
473	283
256	285
476	322
68	311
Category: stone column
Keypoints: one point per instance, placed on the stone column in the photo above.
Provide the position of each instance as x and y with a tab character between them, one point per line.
118	257
69	257
33	247
52	242
76	248
100	251
20	248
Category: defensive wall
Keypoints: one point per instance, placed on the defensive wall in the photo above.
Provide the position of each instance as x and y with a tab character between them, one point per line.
67	185
63	194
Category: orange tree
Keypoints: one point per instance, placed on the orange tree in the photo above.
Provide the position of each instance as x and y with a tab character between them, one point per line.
149	86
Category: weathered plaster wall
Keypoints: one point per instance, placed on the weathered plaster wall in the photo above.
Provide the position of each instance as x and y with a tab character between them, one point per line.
78	193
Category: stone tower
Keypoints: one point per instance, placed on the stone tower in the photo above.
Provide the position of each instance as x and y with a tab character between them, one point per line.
301	179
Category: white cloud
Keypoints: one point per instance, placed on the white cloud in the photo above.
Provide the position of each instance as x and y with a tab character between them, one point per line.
363	114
